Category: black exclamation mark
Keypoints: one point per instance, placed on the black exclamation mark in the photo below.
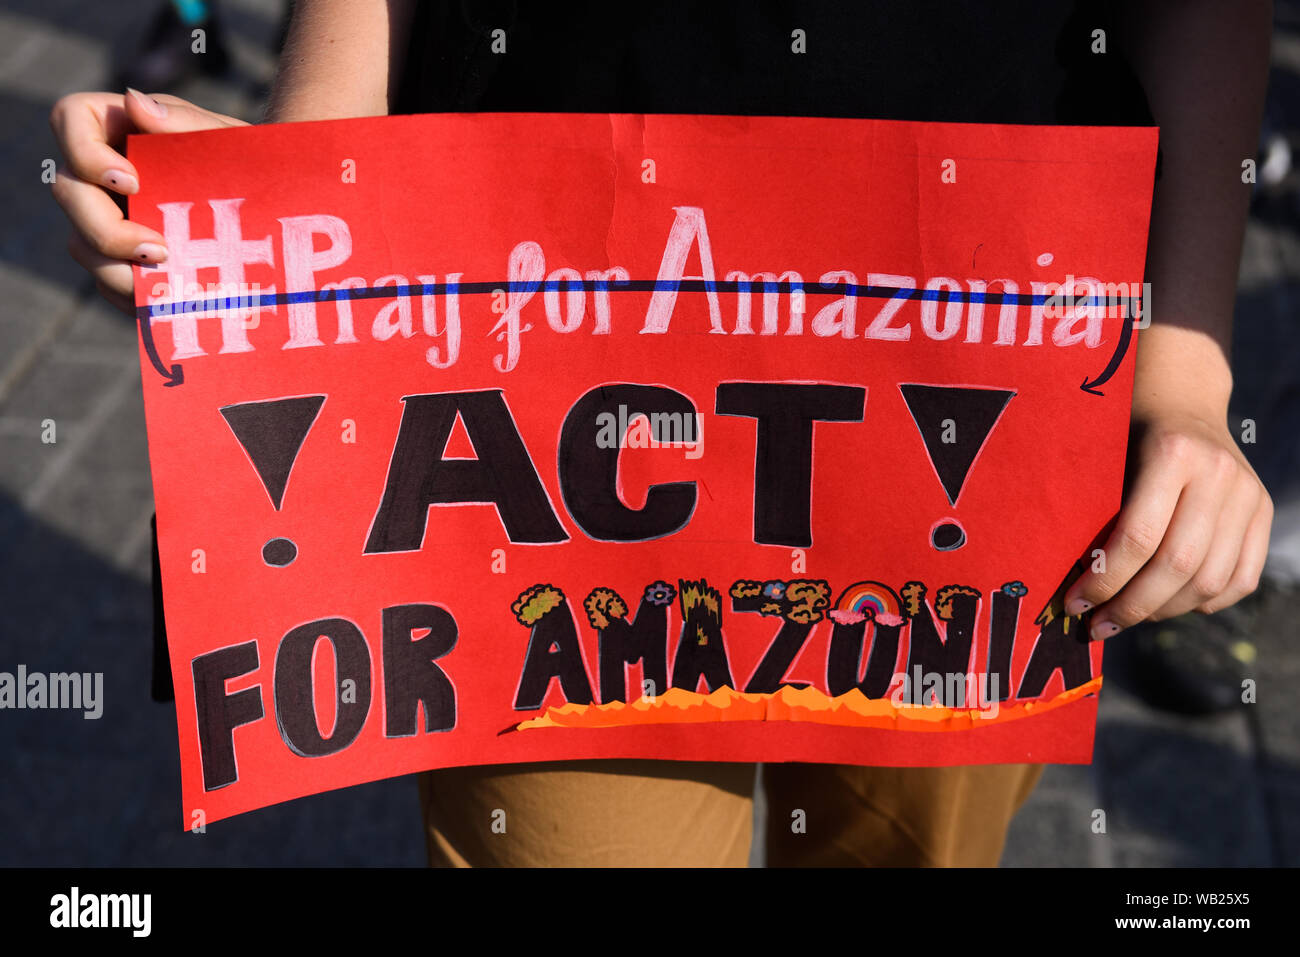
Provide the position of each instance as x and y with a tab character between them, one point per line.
954	422
271	433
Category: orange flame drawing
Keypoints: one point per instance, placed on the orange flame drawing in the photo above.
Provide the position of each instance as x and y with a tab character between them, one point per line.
678	706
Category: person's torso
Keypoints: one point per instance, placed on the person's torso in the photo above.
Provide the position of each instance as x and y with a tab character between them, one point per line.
1010	61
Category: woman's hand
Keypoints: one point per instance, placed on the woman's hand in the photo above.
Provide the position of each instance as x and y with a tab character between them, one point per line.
91	130
1193	532
360	40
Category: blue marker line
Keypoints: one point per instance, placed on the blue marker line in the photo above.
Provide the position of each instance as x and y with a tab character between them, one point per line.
265	300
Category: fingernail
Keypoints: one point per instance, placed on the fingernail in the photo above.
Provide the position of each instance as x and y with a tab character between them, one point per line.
149	253
147	103
1077	606
1103	629
122	182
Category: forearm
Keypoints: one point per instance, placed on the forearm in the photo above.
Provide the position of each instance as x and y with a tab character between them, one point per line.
1204	67
341	59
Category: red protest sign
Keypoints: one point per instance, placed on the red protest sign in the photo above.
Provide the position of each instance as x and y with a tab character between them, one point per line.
499	438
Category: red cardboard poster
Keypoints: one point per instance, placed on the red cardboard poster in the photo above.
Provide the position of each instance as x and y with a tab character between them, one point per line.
485	439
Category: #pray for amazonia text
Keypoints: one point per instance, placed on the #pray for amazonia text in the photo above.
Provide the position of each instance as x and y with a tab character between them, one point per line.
315	244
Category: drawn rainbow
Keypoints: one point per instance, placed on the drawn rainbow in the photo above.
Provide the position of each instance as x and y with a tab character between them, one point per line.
873	596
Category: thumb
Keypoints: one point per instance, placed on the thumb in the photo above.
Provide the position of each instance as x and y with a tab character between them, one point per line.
162	113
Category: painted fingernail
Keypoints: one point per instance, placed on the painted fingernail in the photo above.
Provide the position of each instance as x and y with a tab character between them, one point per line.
1103	629
149	253
1077	606
122	182
147	103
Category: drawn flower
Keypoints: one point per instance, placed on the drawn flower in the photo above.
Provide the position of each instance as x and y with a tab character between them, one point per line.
660	593
602	606
1015	589
806	599
774	590
535	603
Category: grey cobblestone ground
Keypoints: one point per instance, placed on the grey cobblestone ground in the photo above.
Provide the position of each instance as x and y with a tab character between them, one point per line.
74	551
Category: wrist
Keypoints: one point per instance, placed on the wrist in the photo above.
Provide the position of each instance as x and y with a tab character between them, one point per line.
1180	370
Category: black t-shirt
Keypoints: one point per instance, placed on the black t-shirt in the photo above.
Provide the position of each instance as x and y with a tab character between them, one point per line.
986	61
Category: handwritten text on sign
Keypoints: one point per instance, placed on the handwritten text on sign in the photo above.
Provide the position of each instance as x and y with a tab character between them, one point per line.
473	444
